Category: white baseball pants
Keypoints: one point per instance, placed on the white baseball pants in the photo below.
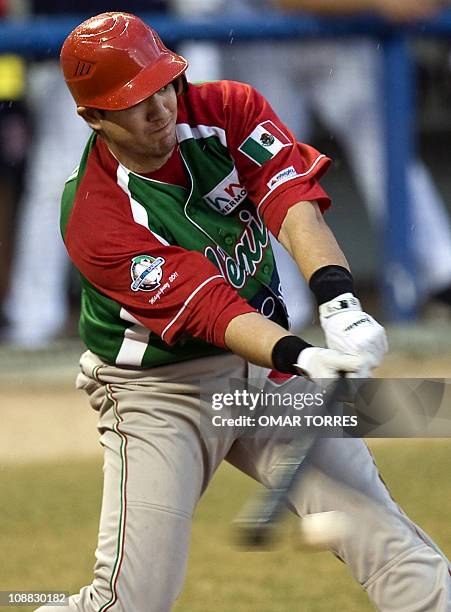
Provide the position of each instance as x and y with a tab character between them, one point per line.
158	463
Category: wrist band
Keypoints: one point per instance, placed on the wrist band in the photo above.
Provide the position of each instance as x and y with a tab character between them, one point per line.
329	282
286	352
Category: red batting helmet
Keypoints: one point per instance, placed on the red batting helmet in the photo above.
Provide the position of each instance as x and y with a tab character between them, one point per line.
114	60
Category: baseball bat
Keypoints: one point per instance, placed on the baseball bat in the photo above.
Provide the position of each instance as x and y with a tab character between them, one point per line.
255	524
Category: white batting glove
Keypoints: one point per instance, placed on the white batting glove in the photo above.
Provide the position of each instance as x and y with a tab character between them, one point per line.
319	363
347	328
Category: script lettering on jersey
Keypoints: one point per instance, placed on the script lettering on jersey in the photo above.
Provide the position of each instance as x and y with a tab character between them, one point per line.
248	251
227	194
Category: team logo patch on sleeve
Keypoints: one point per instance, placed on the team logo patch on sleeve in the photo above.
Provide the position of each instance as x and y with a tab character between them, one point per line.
146	272
264	142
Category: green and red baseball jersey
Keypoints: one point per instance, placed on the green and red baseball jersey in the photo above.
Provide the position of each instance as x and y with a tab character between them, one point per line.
168	259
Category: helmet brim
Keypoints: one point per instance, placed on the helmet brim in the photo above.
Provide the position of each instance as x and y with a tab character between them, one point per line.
147	82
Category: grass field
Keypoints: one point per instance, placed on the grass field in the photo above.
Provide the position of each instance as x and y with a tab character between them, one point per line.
48	527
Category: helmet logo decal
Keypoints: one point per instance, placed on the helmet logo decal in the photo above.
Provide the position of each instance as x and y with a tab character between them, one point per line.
83	69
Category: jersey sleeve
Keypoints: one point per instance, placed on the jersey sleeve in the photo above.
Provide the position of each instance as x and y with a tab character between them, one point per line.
170	290
276	170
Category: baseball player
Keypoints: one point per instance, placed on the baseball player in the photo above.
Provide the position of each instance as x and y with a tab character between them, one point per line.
167	220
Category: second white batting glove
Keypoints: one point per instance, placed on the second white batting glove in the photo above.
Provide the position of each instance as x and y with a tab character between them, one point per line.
320	363
347	328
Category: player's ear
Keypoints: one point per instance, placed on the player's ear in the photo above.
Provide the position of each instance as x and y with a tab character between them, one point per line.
92	116
180	85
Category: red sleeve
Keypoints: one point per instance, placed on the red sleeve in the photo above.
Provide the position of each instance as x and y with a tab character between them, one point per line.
168	289
277	171
275	207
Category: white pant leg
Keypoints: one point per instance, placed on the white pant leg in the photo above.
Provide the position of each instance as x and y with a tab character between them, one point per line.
157	462
394	560
37	304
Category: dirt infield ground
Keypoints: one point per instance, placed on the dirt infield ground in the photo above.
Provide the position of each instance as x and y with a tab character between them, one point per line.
46	424
44	421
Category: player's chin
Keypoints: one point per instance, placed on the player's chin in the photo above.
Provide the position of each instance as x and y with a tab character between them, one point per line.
165	143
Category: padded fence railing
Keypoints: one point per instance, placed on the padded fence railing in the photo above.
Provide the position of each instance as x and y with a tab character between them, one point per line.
44	36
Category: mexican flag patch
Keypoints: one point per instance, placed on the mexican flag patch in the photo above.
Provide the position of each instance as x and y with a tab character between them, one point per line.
264	142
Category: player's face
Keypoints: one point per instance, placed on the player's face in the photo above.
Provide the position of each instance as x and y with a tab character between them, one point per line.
142	137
